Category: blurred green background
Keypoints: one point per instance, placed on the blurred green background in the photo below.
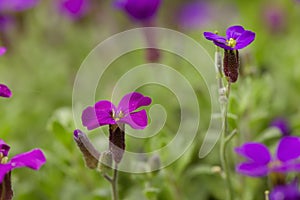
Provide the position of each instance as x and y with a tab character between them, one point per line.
46	51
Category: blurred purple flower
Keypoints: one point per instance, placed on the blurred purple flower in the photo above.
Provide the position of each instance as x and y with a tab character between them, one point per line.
33	159
194	15
286	192
274	18
74	9
236	38
16	5
140	10
104	112
282	125
5	91
260	162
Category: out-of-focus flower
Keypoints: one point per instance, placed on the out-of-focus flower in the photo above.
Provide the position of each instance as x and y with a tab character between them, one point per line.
194	15
236	38
16	5
140	10
75	9
5	91
286	192
104	112
274	18
260	162
282	125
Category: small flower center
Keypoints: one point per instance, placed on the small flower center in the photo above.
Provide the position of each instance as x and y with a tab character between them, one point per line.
274	164
231	42
117	116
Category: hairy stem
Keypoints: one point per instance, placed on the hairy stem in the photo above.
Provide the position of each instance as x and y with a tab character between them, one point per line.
114	184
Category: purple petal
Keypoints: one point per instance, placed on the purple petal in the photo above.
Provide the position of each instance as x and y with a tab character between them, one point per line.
4	169
255	152
285	192
101	114
282	125
17	5
2	50
245	39
139	9
5	91
288	148
252	169
74	8
4	148
234	32
194	15
137	120
133	101
33	159
214	37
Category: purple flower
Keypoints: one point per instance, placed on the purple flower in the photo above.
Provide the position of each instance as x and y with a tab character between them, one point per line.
74	9
286	192
260	162
33	159
236	38
5	91
194	15
140	10
104	112
16	5
282	125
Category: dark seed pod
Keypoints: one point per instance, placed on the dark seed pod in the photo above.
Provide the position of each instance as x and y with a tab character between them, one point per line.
89	152
6	191
117	141
231	65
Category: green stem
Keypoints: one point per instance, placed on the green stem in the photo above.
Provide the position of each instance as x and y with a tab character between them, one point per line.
114	182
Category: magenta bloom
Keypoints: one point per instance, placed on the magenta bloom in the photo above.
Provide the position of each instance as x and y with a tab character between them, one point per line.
286	192
140	10
16	5
236	38
5	91
194	15
260	162
74	9
104	112
282	125
33	159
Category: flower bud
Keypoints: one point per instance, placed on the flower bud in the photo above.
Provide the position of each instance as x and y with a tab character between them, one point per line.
105	162
231	65
117	141
89	152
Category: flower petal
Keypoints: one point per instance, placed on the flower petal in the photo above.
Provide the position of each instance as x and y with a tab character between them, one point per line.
289	191
74	8
137	120
255	152
33	159
214	37
288	148
133	101
5	91
234	32
4	169
99	115
245	39
139	10
2	50
252	169
17	5
4	148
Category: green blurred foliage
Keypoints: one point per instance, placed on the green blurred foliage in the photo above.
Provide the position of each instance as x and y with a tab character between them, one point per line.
43	59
